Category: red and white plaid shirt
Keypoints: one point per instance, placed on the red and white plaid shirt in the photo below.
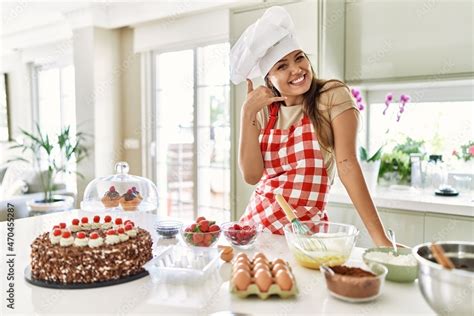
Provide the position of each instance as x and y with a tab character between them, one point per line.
294	168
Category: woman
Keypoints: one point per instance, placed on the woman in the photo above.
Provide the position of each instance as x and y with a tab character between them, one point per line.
295	131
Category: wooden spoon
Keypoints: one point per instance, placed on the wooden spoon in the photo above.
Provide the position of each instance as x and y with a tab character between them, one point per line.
440	257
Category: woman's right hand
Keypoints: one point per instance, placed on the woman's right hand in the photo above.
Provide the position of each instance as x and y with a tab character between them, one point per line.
259	98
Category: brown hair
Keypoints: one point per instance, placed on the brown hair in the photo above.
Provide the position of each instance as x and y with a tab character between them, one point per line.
322	125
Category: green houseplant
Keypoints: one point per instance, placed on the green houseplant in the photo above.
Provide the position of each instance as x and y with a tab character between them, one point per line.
397	162
51	157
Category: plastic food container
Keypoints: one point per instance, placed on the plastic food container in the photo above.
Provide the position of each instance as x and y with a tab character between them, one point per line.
120	192
168	228
326	243
178	264
355	289
183	276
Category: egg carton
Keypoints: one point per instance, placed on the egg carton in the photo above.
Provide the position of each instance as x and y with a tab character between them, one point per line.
183	265
274	289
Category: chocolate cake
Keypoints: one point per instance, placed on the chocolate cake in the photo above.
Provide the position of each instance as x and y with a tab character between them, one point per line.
87	253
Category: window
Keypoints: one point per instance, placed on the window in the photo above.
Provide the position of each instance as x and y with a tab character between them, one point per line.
56	106
193	132
56	99
443	117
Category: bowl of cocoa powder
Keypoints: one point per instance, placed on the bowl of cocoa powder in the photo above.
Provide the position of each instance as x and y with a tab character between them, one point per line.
355	284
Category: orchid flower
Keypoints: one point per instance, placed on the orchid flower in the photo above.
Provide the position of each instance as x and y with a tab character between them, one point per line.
358	96
404	98
388	100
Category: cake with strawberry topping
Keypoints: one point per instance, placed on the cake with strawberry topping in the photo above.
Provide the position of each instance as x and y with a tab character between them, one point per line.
89	251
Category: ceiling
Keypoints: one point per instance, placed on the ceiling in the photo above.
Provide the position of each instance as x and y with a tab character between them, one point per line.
28	24
21	16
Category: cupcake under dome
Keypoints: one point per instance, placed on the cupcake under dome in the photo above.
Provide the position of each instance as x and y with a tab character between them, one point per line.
120	192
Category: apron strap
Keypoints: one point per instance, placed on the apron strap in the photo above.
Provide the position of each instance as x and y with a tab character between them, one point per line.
273	110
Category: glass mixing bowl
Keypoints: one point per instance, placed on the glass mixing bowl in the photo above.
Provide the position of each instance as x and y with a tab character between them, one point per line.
316	243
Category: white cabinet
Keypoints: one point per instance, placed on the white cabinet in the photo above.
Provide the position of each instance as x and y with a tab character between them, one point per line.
442	227
408	226
411	227
347	214
393	39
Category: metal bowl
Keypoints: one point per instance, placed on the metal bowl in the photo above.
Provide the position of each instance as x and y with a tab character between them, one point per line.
447	291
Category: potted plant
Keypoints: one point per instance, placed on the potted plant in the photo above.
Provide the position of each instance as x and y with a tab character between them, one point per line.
370	166
49	159
395	167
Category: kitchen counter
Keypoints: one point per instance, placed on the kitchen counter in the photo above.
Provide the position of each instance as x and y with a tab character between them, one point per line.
411	199
139	296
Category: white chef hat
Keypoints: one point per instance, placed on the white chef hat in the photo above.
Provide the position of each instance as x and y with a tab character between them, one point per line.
262	44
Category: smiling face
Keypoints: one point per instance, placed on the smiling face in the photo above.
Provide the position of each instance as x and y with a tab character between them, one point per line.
292	76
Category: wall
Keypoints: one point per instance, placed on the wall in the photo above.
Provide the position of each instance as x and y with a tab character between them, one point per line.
97	61
177	32
331	39
84	86
107	88
19	97
132	128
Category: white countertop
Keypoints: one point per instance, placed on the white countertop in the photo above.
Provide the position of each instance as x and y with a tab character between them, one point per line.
411	199
139	296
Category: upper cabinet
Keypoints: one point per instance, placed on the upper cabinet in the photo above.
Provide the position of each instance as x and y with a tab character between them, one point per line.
400	39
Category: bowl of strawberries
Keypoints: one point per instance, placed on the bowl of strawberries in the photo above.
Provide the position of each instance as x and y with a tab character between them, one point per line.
239	234
202	233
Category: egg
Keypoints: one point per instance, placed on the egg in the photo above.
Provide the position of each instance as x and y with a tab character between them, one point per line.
227	257
277	267
284	280
242	266
263	279
260	260
279	260
241	280
242	255
225	249
260	266
259	255
242	260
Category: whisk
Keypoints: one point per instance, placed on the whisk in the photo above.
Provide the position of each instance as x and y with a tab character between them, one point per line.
301	230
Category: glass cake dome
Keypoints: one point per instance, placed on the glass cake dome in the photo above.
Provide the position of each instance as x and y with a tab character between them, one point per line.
120	192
